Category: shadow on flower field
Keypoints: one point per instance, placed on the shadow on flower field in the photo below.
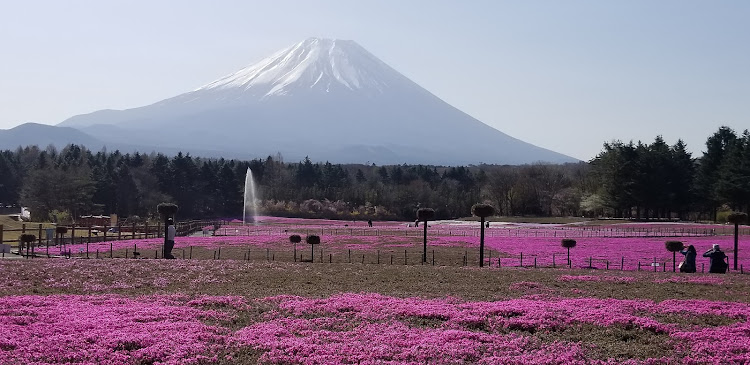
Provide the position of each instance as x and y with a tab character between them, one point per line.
236	312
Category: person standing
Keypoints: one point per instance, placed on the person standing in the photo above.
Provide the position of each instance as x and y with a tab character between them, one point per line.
688	265
171	231
716	257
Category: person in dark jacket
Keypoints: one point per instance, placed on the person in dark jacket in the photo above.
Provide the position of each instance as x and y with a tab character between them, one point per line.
716	264
688	265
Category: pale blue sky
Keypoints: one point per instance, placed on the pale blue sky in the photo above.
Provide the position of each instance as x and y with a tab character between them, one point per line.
564	75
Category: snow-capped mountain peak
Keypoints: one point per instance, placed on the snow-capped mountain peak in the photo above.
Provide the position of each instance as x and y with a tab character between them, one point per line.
324	98
320	64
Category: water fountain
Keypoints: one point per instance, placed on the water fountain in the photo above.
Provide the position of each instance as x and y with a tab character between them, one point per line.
249	197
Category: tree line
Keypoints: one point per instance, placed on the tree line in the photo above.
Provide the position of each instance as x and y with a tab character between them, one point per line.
656	180
633	180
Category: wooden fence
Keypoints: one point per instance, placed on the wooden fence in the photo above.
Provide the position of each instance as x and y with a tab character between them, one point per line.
47	236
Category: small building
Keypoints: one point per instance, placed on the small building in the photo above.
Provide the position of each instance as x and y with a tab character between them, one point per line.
94	220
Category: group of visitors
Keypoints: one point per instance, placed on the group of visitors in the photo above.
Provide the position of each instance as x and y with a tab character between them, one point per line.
717	260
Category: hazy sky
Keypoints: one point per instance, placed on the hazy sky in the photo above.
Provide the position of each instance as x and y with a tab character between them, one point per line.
564	75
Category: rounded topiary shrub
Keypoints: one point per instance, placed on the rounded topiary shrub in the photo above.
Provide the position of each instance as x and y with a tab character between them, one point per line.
425	214
674	246
167	209
295	238
483	210
737	217
312	239
568	243
61	230
27	238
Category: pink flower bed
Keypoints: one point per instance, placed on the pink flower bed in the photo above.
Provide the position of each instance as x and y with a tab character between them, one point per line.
352	328
540	243
106	329
371	329
629	251
613	279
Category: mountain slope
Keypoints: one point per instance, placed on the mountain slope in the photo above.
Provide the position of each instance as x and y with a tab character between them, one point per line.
328	99
44	135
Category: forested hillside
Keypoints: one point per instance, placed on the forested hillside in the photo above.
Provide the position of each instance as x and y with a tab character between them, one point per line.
636	180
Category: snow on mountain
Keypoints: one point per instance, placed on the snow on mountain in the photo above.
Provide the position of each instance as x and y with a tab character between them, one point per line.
324	98
314	63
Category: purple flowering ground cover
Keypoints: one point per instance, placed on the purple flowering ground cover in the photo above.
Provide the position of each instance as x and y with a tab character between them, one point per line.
124	311
524	245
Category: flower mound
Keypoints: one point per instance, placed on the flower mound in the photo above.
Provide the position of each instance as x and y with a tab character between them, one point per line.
105	329
374	329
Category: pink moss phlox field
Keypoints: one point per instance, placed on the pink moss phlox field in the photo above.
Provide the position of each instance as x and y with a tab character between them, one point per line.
614	279
372	328
629	251
307	342
105	329
708	280
361	328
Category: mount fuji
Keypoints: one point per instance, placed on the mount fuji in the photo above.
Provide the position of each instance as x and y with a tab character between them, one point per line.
326	99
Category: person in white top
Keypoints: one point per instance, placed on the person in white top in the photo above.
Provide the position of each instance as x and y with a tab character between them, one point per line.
170	239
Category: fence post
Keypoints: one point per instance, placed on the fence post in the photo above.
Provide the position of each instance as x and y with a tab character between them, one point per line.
2	228
521	259
119	231
133	230
622	263
73	234
405	258
191	253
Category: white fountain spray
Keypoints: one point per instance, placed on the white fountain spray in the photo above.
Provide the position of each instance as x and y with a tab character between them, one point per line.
249	198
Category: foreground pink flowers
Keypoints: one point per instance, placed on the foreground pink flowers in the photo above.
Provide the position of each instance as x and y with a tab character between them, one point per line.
105	329
364	328
370	328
